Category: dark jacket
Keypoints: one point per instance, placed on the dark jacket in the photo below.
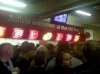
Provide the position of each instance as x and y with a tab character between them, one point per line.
36	70
23	64
4	69
91	67
62	70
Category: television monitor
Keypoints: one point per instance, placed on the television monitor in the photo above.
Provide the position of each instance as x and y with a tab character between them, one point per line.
17	33
59	19
33	34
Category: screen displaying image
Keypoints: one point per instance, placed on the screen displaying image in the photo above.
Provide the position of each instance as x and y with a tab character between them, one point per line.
61	18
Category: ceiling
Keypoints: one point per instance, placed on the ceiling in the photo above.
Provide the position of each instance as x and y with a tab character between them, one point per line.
48	8
32	1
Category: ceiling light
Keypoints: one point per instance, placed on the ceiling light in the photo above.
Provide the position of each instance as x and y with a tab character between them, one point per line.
13	2
83	13
8	9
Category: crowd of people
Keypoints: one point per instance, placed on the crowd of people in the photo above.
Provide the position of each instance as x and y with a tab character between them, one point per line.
63	58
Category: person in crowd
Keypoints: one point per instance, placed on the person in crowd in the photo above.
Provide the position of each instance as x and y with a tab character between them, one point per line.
40	59
62	46
64	64
71	47
32	44
50	48
37	45
78	51
54	52
6	53
23	62
91	57
17	52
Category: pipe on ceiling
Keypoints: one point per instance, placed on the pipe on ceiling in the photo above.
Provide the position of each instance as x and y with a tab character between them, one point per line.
68	7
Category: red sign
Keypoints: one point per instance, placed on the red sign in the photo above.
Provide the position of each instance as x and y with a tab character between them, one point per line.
33	34
2	31
17	33
59	36
68	37
77	37
27	22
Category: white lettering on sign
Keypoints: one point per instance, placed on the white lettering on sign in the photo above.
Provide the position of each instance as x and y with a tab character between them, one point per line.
19	19
42	23
67	28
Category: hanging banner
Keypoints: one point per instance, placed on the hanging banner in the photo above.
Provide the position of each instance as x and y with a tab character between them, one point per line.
16	20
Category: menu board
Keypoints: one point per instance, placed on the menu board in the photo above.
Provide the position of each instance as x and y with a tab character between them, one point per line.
69	37
59	36
17	33
33	34
47	36
76	38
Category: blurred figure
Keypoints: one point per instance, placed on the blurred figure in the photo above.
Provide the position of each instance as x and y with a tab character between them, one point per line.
71	46
17	52
6	53
24	43
23	62
54	52
50	48
64	64
40	59
62	46
37	45
91	57
78	51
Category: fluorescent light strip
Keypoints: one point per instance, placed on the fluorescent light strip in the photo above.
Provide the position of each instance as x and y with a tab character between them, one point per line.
8	9
13	2
83	13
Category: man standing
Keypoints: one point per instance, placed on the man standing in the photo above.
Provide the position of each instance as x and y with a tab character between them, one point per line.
6	52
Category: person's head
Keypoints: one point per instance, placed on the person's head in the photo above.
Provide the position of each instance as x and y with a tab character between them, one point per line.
78	50
64	59
91	50
6	50
37	45
62	46
24	43
50	47
40	56
55	48
27	50
33	45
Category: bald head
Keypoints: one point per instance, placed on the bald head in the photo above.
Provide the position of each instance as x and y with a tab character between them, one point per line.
6	49
42	48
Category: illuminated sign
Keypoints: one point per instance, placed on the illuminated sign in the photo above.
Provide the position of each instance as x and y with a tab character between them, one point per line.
47	36
17	33
33	34
68	37
2	31
59	36
77	37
